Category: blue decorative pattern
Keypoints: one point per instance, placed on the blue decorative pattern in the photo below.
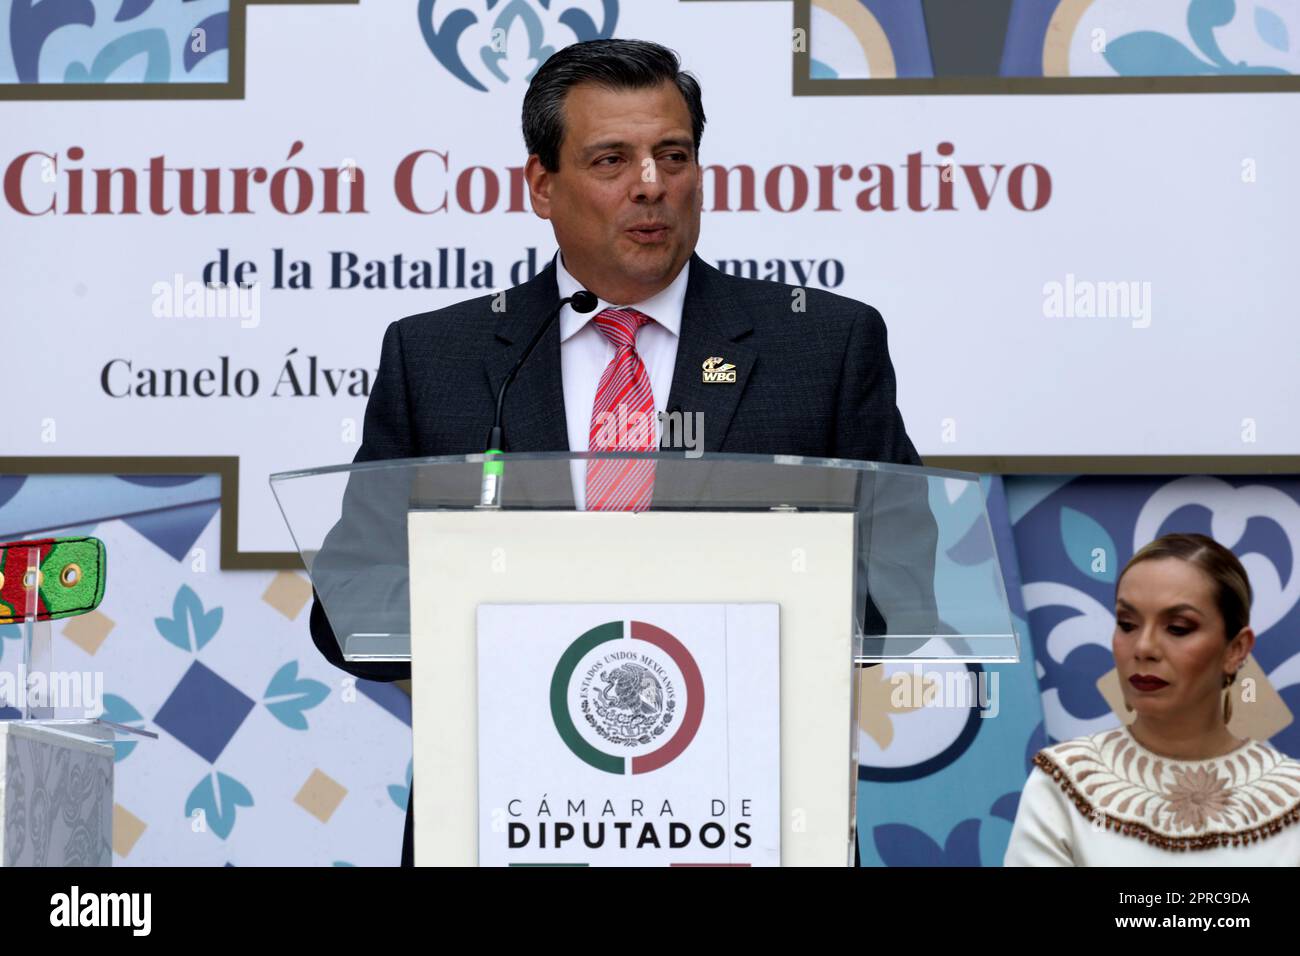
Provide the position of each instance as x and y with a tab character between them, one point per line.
400	794
218	798
288	697
114	41
118	710
204	711
1167	39
190	626
512	38
1151	53
904	24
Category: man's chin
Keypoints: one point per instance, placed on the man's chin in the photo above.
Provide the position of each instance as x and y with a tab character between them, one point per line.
649	263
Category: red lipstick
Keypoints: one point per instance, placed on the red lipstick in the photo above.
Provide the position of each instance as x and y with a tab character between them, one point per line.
1146	682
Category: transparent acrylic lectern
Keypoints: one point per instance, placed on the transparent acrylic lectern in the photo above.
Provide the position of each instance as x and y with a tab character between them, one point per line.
403	555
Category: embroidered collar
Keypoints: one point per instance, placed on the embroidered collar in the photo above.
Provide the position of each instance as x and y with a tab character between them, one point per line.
1241	797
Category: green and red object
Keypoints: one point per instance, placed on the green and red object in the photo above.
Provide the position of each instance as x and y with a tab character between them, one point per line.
70	580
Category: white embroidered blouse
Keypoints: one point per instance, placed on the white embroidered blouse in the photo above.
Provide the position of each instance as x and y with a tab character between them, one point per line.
1105	800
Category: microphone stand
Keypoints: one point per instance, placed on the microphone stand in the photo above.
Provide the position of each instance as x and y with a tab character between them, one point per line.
493	467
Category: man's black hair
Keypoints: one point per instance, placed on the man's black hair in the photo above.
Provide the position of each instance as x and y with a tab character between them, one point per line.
614	64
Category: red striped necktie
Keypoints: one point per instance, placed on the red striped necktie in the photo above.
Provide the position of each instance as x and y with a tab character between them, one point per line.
622	419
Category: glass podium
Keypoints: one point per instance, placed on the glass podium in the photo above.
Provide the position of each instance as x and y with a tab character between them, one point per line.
403	554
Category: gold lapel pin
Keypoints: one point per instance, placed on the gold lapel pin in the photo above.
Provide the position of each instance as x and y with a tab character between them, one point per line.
718	369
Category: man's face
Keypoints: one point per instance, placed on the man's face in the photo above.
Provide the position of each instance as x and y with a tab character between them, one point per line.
625	202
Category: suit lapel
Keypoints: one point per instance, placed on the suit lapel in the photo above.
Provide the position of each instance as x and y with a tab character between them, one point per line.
713	326
533	417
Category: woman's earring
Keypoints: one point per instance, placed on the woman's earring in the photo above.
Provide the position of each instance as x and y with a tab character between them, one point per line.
1128	706
1227	697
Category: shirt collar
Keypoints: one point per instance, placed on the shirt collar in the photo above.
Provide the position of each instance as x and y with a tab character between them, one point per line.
665	306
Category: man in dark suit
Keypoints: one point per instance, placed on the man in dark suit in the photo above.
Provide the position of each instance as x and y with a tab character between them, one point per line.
613	129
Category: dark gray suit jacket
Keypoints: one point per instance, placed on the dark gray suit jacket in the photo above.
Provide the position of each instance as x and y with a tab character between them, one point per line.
817	383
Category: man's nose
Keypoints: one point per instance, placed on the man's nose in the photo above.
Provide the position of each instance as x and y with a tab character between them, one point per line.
648	186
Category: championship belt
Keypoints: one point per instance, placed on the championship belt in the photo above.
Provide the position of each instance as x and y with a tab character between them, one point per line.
70	579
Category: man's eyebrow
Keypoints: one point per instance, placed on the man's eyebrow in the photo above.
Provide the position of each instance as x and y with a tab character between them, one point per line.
618	144
682	141
1175	609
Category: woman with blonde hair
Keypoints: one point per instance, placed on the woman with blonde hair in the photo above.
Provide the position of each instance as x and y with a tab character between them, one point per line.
1176	787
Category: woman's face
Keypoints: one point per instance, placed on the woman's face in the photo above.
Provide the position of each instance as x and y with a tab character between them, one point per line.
1170	648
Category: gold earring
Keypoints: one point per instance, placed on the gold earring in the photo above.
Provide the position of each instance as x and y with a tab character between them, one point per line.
1128	706
1228	680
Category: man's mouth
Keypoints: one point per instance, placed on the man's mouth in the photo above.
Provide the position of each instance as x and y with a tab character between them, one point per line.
648	232
1147	682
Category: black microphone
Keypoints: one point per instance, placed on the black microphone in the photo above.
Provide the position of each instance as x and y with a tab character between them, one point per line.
582	301
668	417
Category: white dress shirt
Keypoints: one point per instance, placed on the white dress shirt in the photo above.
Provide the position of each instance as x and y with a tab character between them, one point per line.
585	353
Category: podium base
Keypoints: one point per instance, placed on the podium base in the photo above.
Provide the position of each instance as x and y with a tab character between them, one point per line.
54	772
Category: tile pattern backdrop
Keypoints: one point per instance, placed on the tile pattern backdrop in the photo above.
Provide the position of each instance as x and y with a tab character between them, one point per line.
268	755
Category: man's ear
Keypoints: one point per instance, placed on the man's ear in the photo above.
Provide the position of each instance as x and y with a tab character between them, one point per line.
539	186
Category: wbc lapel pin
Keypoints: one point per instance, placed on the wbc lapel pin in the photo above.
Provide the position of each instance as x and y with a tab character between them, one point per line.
718	369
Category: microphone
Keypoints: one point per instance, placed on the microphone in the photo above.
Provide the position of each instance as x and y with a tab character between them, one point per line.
490	495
